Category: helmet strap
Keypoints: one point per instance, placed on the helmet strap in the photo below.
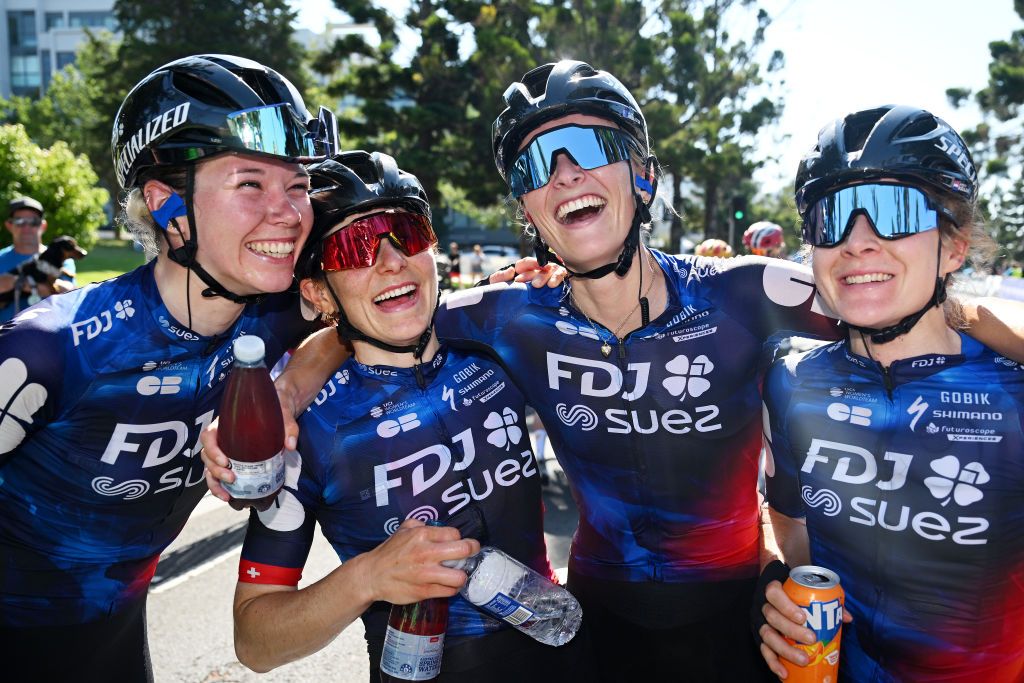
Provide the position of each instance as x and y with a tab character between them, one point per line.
887	334
185	255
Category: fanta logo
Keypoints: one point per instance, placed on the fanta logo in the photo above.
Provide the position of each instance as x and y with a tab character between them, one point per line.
824	618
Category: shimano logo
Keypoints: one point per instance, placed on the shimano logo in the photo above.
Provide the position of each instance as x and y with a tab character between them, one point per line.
151	385
968	415
858	415
390	428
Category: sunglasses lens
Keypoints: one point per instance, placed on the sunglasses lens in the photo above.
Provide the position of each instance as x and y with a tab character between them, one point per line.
278	131
356	245
21	222
894	211
589	146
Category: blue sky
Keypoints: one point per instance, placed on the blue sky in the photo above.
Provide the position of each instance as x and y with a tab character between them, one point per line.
843	56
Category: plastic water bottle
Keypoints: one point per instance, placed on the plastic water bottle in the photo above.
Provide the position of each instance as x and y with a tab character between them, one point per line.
251	429
414	642
508	590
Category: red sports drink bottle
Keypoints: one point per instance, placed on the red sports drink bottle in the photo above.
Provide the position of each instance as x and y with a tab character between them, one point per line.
415	640
251	430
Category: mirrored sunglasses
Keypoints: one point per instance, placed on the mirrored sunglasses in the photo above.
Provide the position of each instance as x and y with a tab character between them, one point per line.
589	147
279	131
34	221
356	245
893	210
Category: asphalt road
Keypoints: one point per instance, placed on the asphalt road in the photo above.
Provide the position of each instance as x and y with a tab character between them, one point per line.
190	632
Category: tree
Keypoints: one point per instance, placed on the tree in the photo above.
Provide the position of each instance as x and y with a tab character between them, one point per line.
692	81
997	144
63	182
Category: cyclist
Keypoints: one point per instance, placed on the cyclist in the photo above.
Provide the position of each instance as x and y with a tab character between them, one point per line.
109	385
650	401
764	238
896	455
402	406
714	247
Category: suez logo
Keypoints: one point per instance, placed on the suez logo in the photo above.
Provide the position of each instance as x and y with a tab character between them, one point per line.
951	484
178	331
687	378
161	443
428	466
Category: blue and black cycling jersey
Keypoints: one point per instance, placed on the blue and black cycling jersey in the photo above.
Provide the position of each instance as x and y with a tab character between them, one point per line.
377	447
914	495
104	397
660	440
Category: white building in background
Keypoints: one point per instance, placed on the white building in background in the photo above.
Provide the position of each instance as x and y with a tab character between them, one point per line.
40	37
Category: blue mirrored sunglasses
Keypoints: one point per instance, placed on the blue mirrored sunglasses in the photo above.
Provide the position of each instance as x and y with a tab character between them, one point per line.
894	211
589	147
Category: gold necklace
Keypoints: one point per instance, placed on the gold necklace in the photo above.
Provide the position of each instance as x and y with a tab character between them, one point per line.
606	348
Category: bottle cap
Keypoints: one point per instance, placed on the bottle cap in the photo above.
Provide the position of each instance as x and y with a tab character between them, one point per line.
249	349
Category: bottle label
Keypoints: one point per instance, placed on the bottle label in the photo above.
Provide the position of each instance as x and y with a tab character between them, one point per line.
256	479
411	657
503	607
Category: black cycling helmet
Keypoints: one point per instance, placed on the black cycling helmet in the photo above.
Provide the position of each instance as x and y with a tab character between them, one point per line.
351	183
558	89
898	142
202	105
358	181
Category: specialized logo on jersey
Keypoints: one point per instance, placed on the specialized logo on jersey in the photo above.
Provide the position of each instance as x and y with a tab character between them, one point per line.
826	499
424	513
19	401
90	328
854	466
448	396
506	430
390	428
578	414
160	443
917	409
600	379
689	377
426	468
841	412
954	483
151	385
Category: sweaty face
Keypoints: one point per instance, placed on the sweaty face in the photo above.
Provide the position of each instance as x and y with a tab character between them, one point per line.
393	300
872	282
253	215
584	216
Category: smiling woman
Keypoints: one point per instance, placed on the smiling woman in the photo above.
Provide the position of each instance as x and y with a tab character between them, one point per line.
98	466
933	417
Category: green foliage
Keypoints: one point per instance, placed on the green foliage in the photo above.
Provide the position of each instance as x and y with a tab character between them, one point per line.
695	84
107	259
64	183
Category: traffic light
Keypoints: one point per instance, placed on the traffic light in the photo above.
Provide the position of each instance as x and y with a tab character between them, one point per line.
739	207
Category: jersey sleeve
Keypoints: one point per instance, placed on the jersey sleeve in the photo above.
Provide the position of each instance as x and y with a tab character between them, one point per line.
782	475
475	317
32	370
777	298
283	326
278	540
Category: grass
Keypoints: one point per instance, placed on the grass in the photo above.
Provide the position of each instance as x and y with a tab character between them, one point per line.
107	259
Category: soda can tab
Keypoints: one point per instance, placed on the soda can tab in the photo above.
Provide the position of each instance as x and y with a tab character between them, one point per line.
818	593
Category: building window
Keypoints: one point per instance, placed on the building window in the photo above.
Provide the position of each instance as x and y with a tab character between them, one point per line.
92	20
65	58
25	74
21	31
44	59
55	20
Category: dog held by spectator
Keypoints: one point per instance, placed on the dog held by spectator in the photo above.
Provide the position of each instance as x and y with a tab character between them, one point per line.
43	269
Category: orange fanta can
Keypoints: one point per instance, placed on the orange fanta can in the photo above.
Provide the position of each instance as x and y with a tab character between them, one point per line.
818	593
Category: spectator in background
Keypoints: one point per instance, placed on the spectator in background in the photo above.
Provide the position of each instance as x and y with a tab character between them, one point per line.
455	271
476	263
26	224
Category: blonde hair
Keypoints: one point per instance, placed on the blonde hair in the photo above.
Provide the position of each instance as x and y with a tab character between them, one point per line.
135	216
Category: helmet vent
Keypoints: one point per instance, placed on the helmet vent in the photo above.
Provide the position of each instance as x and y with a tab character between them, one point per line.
919	127
200	90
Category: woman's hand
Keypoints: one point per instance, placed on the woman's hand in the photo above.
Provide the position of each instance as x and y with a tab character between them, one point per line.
785	620
528	270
